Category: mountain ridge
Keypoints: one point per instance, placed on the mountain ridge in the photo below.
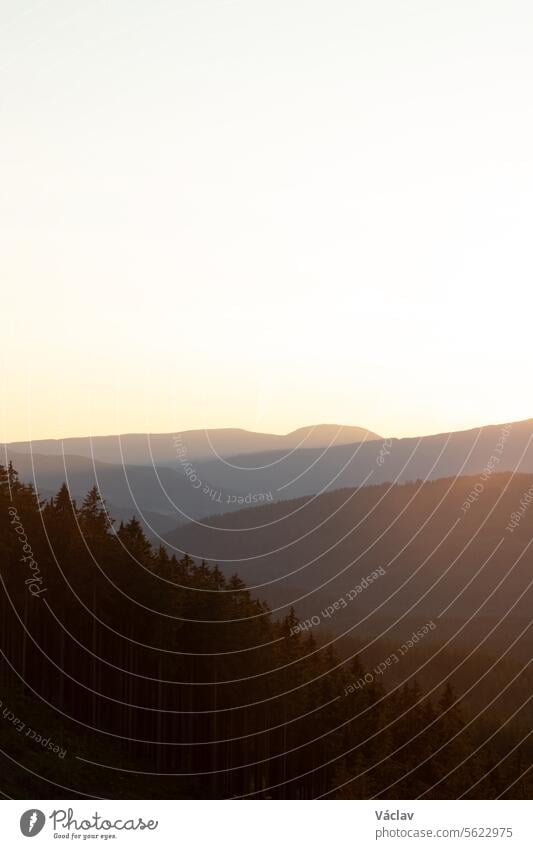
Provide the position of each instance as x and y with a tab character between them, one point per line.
162	448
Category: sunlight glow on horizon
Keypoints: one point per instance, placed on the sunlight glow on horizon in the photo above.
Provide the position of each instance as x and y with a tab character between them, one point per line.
266	217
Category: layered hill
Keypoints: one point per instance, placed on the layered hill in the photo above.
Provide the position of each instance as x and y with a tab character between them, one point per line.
169	493
448	550
307	471
149	449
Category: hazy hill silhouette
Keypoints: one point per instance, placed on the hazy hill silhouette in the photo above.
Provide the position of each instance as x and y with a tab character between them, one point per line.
310	471
161	448
160	497
155	476
167	495
441	559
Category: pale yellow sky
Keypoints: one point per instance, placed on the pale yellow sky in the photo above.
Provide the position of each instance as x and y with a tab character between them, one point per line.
265	215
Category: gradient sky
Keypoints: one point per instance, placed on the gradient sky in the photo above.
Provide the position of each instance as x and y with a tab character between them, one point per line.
265	214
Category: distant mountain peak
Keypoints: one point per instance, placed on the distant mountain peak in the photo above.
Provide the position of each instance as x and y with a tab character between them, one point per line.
324	433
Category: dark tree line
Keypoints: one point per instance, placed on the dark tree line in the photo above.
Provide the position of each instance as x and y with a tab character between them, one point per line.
136	662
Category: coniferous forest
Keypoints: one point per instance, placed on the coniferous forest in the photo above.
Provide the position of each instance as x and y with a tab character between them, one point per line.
129	673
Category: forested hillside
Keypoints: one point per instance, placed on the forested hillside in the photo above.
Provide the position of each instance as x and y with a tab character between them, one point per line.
127	672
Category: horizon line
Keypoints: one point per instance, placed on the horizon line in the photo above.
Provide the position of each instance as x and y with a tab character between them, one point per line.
124	434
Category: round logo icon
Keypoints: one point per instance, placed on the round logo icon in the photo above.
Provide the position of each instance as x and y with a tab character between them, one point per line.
32	822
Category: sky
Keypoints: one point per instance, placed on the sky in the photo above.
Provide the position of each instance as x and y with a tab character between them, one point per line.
264	215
